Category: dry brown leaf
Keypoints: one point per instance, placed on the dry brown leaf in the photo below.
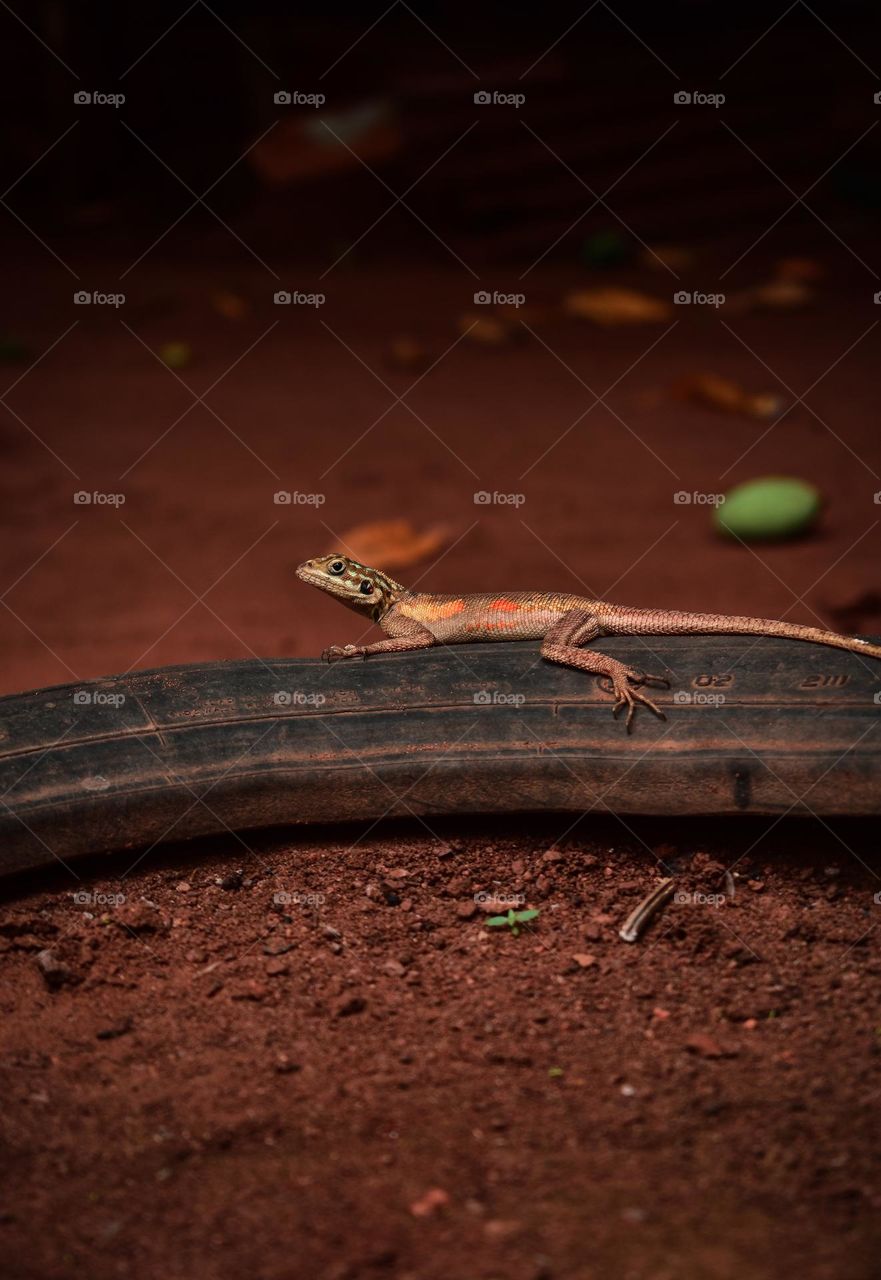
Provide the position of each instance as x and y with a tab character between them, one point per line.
780	294
392	544
722	393
489	330
785	294
616	306
409	354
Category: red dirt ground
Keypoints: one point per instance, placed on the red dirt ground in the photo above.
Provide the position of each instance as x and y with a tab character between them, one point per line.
374	1084
224	1086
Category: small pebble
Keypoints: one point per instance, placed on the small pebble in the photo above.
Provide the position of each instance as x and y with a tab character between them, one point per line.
115	1030
55	972
704	1045
354	1004
433	1199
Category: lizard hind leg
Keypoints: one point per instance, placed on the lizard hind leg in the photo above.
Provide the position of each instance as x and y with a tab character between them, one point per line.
561	644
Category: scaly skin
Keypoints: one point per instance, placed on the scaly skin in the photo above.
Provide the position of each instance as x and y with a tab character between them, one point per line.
417	620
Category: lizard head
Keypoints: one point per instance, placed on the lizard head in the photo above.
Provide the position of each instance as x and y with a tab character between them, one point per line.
366	590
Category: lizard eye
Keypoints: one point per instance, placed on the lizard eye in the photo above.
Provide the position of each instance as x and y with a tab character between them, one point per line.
366	587
337	567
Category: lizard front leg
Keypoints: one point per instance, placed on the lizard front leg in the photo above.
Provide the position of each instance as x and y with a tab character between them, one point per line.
561	644
409	635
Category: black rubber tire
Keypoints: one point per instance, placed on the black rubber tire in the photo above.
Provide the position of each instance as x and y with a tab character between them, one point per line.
193	750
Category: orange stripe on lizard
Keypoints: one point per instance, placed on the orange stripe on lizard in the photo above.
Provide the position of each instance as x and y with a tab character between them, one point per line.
431	612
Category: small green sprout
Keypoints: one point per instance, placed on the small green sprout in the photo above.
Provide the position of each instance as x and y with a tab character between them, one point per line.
512	920
555	1072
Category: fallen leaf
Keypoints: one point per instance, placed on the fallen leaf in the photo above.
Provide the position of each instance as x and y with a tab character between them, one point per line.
408	353
584	961
488	330
722	393
784	294
616	306
392	544
433	1199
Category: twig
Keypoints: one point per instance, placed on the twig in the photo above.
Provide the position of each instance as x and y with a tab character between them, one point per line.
649	907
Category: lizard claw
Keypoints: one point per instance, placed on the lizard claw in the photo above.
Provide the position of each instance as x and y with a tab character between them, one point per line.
629	698
642	677
337	651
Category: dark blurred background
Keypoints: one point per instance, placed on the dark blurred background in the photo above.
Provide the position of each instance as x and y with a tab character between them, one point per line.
386	187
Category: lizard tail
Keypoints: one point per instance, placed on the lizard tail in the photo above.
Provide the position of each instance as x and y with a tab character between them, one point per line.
621	620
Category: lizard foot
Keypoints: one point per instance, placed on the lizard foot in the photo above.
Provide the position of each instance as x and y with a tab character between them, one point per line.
630	697
337	652
643	677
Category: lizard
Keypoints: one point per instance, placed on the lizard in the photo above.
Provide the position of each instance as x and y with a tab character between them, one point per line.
564	623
